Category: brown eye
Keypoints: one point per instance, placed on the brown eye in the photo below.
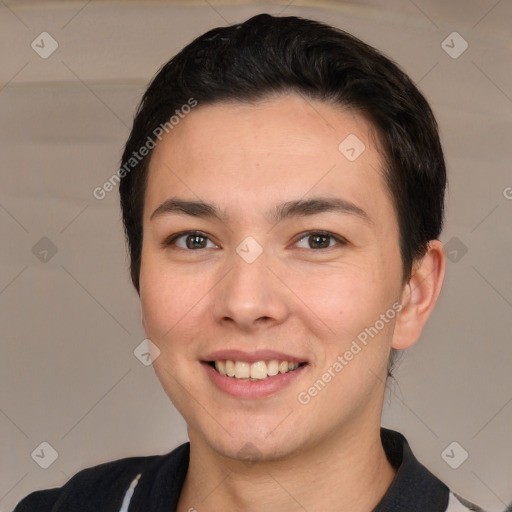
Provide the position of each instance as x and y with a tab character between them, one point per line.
321	240
192	240
195	242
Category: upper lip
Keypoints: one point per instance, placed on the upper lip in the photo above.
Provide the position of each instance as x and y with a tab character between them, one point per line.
251	357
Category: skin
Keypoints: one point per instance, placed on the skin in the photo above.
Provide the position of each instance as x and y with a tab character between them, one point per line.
294	298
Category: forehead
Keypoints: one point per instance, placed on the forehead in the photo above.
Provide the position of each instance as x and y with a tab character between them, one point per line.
277	149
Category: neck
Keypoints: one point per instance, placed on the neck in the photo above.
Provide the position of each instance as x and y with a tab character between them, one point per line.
349	471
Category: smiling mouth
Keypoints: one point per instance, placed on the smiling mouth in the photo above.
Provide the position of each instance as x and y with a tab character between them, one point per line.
260	370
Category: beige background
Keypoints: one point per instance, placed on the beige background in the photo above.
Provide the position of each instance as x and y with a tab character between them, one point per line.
69	326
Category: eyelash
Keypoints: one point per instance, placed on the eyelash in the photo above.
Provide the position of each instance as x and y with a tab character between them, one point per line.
170	241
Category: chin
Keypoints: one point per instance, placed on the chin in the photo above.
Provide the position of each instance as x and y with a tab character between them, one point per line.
252	451
250	441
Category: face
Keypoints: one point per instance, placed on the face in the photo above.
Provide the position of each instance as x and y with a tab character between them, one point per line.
256	286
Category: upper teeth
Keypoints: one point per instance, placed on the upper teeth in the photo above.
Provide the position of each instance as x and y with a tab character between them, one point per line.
258	370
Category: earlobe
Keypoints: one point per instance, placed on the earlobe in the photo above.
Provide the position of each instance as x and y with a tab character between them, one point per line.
419	296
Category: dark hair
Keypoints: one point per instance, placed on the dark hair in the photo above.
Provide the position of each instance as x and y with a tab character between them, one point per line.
266	56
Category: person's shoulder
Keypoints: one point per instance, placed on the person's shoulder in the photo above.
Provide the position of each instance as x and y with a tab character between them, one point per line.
415	484
98	484
99	487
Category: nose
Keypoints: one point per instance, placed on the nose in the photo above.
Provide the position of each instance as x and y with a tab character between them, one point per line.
251	296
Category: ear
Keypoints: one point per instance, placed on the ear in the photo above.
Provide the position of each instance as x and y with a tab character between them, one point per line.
419	296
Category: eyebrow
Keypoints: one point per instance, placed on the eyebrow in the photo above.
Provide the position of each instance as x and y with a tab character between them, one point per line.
289	209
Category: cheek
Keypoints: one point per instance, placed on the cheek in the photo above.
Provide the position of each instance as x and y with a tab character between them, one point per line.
170	300
345	298
351	305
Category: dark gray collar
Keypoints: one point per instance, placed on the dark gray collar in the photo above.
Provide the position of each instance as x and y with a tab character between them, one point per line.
414	488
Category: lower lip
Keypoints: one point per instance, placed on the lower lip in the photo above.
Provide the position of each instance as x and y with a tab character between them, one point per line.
252	389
